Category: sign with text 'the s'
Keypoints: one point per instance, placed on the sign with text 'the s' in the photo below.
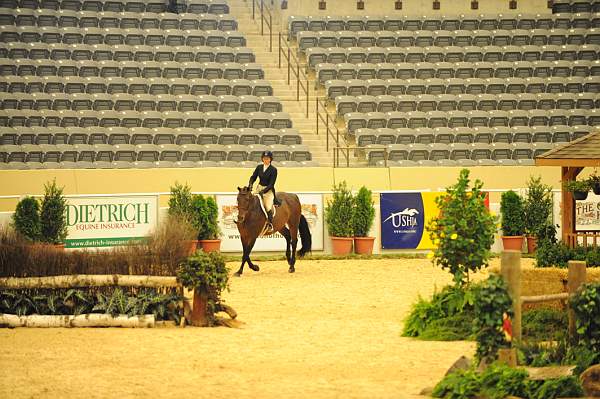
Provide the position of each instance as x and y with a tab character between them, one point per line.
110	220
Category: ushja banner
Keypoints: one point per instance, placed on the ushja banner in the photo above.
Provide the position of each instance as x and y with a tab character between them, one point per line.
110	220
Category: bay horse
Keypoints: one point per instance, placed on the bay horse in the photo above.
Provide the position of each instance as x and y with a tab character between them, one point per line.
288	221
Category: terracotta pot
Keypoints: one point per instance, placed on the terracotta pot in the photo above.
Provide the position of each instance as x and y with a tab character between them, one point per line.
513	242
363	245
531	244
341	245
596	188
210	245
580	195
191	247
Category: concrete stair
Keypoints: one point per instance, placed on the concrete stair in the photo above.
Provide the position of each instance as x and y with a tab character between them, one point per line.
306	125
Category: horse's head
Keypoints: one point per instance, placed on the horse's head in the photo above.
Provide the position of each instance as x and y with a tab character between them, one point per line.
244	199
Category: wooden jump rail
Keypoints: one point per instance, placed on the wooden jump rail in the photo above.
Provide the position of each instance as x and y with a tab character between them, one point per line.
510	269
80	281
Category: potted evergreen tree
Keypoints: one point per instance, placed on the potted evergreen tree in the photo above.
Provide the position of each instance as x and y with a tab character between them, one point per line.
362	219
513	220
579	189
181	208
338	216
26	219
53	221
538	210
206	214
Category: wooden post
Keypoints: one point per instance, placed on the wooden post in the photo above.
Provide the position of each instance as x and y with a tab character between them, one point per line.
575	278
510	269
199	307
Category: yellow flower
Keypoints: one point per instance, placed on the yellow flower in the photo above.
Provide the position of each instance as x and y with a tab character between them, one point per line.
454	236
442	235
493	214
430	255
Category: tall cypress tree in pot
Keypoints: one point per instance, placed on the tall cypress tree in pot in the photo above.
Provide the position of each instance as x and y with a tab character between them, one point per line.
338	216
363	215
513	220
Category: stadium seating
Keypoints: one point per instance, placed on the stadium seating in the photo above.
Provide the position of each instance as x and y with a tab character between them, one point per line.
458	90
125	84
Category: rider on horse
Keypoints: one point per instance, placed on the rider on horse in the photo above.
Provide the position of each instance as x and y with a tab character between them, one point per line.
267	175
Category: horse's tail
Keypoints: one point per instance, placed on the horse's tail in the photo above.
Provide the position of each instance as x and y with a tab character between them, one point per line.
304	236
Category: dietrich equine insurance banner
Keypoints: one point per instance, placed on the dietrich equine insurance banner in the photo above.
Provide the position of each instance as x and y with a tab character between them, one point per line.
107	221
404	217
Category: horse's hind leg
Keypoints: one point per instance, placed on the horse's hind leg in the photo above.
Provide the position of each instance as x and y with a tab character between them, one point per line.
294	243
285	232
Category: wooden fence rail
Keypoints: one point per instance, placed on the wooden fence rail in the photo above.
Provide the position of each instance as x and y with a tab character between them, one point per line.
510	269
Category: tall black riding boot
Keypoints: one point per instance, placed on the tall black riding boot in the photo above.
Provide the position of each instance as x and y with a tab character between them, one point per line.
270	219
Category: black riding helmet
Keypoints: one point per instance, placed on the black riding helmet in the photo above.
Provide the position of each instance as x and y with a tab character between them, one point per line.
267	154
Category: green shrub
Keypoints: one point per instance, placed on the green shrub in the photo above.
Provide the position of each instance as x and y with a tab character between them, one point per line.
53	221
544	324
499	381
199	211
491	302
446	317
537	206
586	305
338	212
592	258
363	213
180	202
26	219
208	273
205	217
464	229
513	214
563	387
458	385
552	254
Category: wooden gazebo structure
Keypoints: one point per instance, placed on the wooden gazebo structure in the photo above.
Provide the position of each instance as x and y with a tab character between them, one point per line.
573	157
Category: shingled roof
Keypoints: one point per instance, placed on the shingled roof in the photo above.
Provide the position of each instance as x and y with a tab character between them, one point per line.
582	152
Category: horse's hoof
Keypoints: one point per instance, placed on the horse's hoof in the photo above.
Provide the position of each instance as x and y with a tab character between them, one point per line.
255	268
291	270
237	274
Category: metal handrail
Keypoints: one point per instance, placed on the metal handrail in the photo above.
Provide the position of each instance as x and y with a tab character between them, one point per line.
263	20
346	153
300	75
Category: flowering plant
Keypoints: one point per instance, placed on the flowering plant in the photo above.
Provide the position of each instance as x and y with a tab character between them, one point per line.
463	232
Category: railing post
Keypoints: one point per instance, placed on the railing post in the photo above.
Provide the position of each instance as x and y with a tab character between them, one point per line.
297	81
289	61
347	157
262	19
510	269
279	50
253	10
307	94
575	278
270	33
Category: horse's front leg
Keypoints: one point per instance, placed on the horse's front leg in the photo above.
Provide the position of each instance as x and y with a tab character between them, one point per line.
245	258
249	249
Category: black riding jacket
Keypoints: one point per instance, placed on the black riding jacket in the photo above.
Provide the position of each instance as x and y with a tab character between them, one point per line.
266	178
